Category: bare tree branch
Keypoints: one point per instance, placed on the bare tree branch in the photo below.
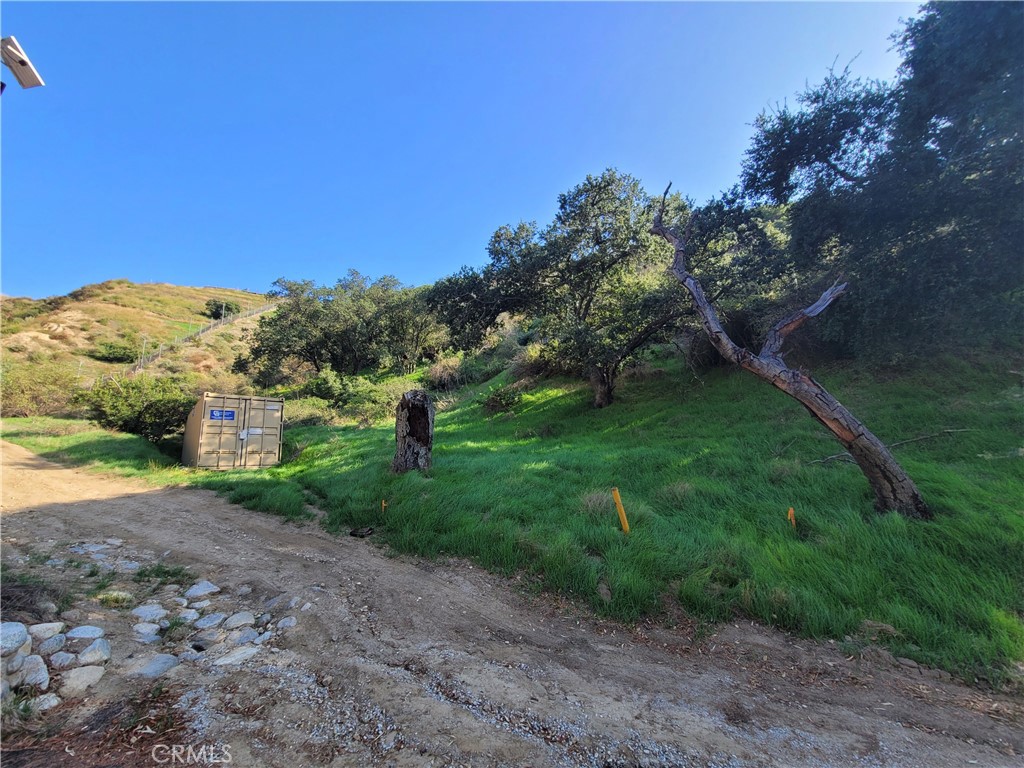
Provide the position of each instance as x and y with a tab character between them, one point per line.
777	335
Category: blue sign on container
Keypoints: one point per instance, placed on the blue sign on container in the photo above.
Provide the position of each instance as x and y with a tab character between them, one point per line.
220	415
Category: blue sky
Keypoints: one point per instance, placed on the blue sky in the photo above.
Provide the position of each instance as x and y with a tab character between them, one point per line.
229	144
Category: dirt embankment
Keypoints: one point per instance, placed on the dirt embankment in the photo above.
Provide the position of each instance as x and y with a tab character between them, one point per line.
409	663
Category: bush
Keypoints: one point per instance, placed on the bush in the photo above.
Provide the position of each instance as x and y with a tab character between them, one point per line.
367	402
115	352
142	405
327	385
218	308
38	389
504	399
444	374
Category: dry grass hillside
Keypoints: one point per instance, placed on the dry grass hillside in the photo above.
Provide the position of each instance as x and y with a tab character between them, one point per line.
103	328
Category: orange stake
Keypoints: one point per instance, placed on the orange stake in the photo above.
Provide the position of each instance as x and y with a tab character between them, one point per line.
622	512
791	517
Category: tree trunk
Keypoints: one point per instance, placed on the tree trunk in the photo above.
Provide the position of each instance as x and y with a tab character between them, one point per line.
414	432
604	386
893	488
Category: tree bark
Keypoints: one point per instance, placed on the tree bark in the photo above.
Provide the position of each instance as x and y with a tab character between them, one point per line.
414	432
604	386
893	488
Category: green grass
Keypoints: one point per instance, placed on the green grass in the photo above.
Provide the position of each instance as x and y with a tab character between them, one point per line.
707	471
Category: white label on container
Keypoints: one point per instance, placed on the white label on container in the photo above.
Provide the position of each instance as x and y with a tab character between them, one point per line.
273	406
255	431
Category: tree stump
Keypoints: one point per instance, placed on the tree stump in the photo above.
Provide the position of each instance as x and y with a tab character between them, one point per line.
414	431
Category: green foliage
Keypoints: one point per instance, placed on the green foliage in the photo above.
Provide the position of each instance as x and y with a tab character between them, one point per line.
913	191
141	405
219	308
116	352
355	326
593	281
38	389
501	399
368	402
327	385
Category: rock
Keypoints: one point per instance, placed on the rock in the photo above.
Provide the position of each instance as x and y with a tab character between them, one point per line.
61	660
210	621
72	615
199	605
201	589
114	542
55	562
16	662
42	632
13	635
238	655
286	622
240	619
98	556
243	590
84	632
188	615
293	602
46	608
274	602
35	673
263	638
127	566
5	689
51	645
77	680
153	667
97	653
202	641
263	620
146	628
149	613
179	601
306	607
164	623
242	636
46	701
26	647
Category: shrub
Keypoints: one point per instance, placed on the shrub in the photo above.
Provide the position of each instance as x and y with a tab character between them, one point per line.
444	374
38	389
115	352
142	405
218	308
368	402
326	385
502	399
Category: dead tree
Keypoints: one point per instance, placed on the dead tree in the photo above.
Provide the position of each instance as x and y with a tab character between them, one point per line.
414	431
893	488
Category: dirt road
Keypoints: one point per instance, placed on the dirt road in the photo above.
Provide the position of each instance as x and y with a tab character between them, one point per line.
409	663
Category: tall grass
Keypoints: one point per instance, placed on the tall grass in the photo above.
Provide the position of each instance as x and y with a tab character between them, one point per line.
707	471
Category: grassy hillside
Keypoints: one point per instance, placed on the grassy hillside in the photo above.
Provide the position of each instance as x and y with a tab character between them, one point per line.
75	330
707	470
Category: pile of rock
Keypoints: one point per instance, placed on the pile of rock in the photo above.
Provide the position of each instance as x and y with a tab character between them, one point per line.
33	656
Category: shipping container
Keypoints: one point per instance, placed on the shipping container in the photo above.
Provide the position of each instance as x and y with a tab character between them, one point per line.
233	432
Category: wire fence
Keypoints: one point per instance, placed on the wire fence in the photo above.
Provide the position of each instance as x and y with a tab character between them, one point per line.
227	319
